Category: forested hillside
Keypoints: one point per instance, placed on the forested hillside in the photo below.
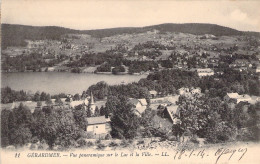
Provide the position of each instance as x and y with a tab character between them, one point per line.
15	35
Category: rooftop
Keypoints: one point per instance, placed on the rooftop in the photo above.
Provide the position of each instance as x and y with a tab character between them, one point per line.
237	96
173	109
153	92
97	120
204	70
143	102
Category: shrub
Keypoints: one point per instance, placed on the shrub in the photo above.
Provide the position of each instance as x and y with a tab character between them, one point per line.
113	144
162	139
130	141
34	140
194	139
101	146
33	147
83	134
81	142
108	137
172	138
89	144
124	143
247	134
89	135
98	141
140	142
222	133
43	145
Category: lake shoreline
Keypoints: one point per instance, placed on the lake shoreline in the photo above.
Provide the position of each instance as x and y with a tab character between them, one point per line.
97	73
62	82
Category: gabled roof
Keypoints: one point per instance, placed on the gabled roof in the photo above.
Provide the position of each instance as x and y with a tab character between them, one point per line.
172	99
143	102
245	96
173	109
204	70
241	61
233	95
76	103
237	96
133	101
153	92
97	120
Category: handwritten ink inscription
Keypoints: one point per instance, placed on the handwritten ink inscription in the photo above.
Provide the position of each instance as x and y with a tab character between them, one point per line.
221	152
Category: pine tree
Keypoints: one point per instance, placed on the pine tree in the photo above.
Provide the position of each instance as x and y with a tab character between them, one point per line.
89	113
97	113
102	111
124	122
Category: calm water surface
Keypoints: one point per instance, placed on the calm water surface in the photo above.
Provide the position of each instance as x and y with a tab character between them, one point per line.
61	82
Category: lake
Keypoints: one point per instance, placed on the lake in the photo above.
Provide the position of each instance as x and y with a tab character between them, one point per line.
61	82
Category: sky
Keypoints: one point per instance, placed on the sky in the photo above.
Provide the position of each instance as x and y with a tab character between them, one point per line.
242	15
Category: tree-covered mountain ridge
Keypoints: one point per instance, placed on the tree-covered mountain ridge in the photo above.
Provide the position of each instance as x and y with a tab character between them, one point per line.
15	35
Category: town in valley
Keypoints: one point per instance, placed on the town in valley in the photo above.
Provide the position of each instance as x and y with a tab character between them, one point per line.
201	87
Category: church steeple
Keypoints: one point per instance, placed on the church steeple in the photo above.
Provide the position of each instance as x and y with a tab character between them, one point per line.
91	99
92	105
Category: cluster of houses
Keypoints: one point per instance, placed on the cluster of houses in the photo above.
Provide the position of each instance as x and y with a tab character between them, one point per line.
237	98
245	65
168	106
205	72
189	91
97	126
100	127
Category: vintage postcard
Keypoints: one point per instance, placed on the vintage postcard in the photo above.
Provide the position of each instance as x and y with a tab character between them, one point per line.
130	81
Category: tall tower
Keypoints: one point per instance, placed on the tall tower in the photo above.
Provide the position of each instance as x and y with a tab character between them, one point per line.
92	105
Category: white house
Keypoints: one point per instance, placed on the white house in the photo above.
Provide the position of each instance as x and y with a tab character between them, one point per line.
51	69
171	99
205	72
63	100
73	104
183	91
153	93
257	69
139	105
237	97
189	91
172	113
195	91
98	126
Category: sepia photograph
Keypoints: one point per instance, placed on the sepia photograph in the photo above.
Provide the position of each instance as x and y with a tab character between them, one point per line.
130	81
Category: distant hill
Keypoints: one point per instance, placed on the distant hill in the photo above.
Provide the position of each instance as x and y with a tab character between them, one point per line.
15	35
